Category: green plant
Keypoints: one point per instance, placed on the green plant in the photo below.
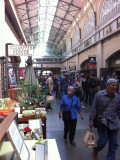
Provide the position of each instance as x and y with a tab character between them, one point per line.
30	93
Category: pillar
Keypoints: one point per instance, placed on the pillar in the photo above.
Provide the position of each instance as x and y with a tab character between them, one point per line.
2	28
77	62
99	58
67	68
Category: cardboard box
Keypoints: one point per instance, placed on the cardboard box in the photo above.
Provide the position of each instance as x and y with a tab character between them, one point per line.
42	150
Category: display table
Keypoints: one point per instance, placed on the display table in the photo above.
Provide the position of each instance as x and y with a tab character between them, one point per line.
6	150
26	119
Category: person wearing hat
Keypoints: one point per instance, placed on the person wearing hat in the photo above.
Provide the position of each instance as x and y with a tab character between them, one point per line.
106	107
70	105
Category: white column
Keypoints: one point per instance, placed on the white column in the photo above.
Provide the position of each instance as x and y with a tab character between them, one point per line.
99	58
77	62
67	65
2	28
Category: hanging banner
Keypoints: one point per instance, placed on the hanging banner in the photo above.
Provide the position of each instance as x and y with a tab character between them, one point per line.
11	75
92	61
20	50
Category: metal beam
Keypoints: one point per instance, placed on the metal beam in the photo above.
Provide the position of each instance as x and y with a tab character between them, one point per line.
64	18
26	2
69	4
30	18
55	16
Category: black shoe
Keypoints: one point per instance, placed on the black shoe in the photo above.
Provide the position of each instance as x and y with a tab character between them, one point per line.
73	143
65	139
94	154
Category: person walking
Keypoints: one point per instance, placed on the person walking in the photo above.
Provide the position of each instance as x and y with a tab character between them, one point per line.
78	90
93	85
106	108
70	105
50	88
65	82
85	88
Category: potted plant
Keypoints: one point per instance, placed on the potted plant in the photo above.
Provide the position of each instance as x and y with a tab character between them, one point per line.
31	95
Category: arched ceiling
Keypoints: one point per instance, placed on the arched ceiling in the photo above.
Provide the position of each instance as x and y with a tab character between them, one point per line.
46	21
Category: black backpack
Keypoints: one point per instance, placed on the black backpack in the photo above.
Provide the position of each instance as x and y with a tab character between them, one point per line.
92	83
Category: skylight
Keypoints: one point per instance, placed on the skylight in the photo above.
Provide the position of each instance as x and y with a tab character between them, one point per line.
47	9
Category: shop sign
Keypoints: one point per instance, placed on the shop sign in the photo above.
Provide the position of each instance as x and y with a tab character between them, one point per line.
73	67
63	68
20	50
92	61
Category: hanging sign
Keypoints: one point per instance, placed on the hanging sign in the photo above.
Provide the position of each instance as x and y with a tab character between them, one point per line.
92	61
20	50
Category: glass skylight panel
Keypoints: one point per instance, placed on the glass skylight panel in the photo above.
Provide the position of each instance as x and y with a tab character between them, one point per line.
47	9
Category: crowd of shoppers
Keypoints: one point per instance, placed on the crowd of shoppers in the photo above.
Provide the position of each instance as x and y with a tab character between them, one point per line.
105	105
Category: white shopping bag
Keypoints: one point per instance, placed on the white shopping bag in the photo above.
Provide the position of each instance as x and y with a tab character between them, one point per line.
89	139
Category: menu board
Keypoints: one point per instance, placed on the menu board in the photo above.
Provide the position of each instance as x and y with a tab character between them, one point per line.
18	142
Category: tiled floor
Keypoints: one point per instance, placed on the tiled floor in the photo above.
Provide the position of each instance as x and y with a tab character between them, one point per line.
67	152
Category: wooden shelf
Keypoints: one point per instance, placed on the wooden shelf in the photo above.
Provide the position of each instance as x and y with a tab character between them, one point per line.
26	119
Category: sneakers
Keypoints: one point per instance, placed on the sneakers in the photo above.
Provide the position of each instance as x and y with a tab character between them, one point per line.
83	107
51	109
94	154
73	143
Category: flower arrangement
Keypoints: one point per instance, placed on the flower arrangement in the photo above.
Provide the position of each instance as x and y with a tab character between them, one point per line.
27	129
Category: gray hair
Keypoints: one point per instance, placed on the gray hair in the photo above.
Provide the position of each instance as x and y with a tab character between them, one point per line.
112	80
71	87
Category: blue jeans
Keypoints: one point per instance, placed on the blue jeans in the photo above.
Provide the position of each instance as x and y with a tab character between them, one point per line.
91	97
105	135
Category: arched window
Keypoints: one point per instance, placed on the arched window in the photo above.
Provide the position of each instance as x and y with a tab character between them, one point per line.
89	25
109	7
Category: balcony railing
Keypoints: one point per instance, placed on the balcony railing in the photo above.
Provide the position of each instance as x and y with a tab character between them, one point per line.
103	33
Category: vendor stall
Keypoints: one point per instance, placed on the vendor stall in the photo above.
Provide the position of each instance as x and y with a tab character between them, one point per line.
15	147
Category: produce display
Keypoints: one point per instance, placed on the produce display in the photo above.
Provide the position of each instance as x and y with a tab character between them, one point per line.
7	105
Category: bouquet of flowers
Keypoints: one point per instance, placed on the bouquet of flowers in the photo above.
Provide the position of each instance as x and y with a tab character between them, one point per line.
27	129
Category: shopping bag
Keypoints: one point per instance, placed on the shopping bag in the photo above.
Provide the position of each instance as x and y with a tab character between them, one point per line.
89	139
50	99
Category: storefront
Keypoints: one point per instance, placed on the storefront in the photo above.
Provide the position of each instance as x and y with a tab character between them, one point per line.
86	69
114	63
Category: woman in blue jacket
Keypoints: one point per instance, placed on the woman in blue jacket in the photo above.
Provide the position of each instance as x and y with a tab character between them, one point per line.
70	103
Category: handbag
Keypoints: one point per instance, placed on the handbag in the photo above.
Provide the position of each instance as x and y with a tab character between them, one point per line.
66	115
89	139
96	120
50	99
